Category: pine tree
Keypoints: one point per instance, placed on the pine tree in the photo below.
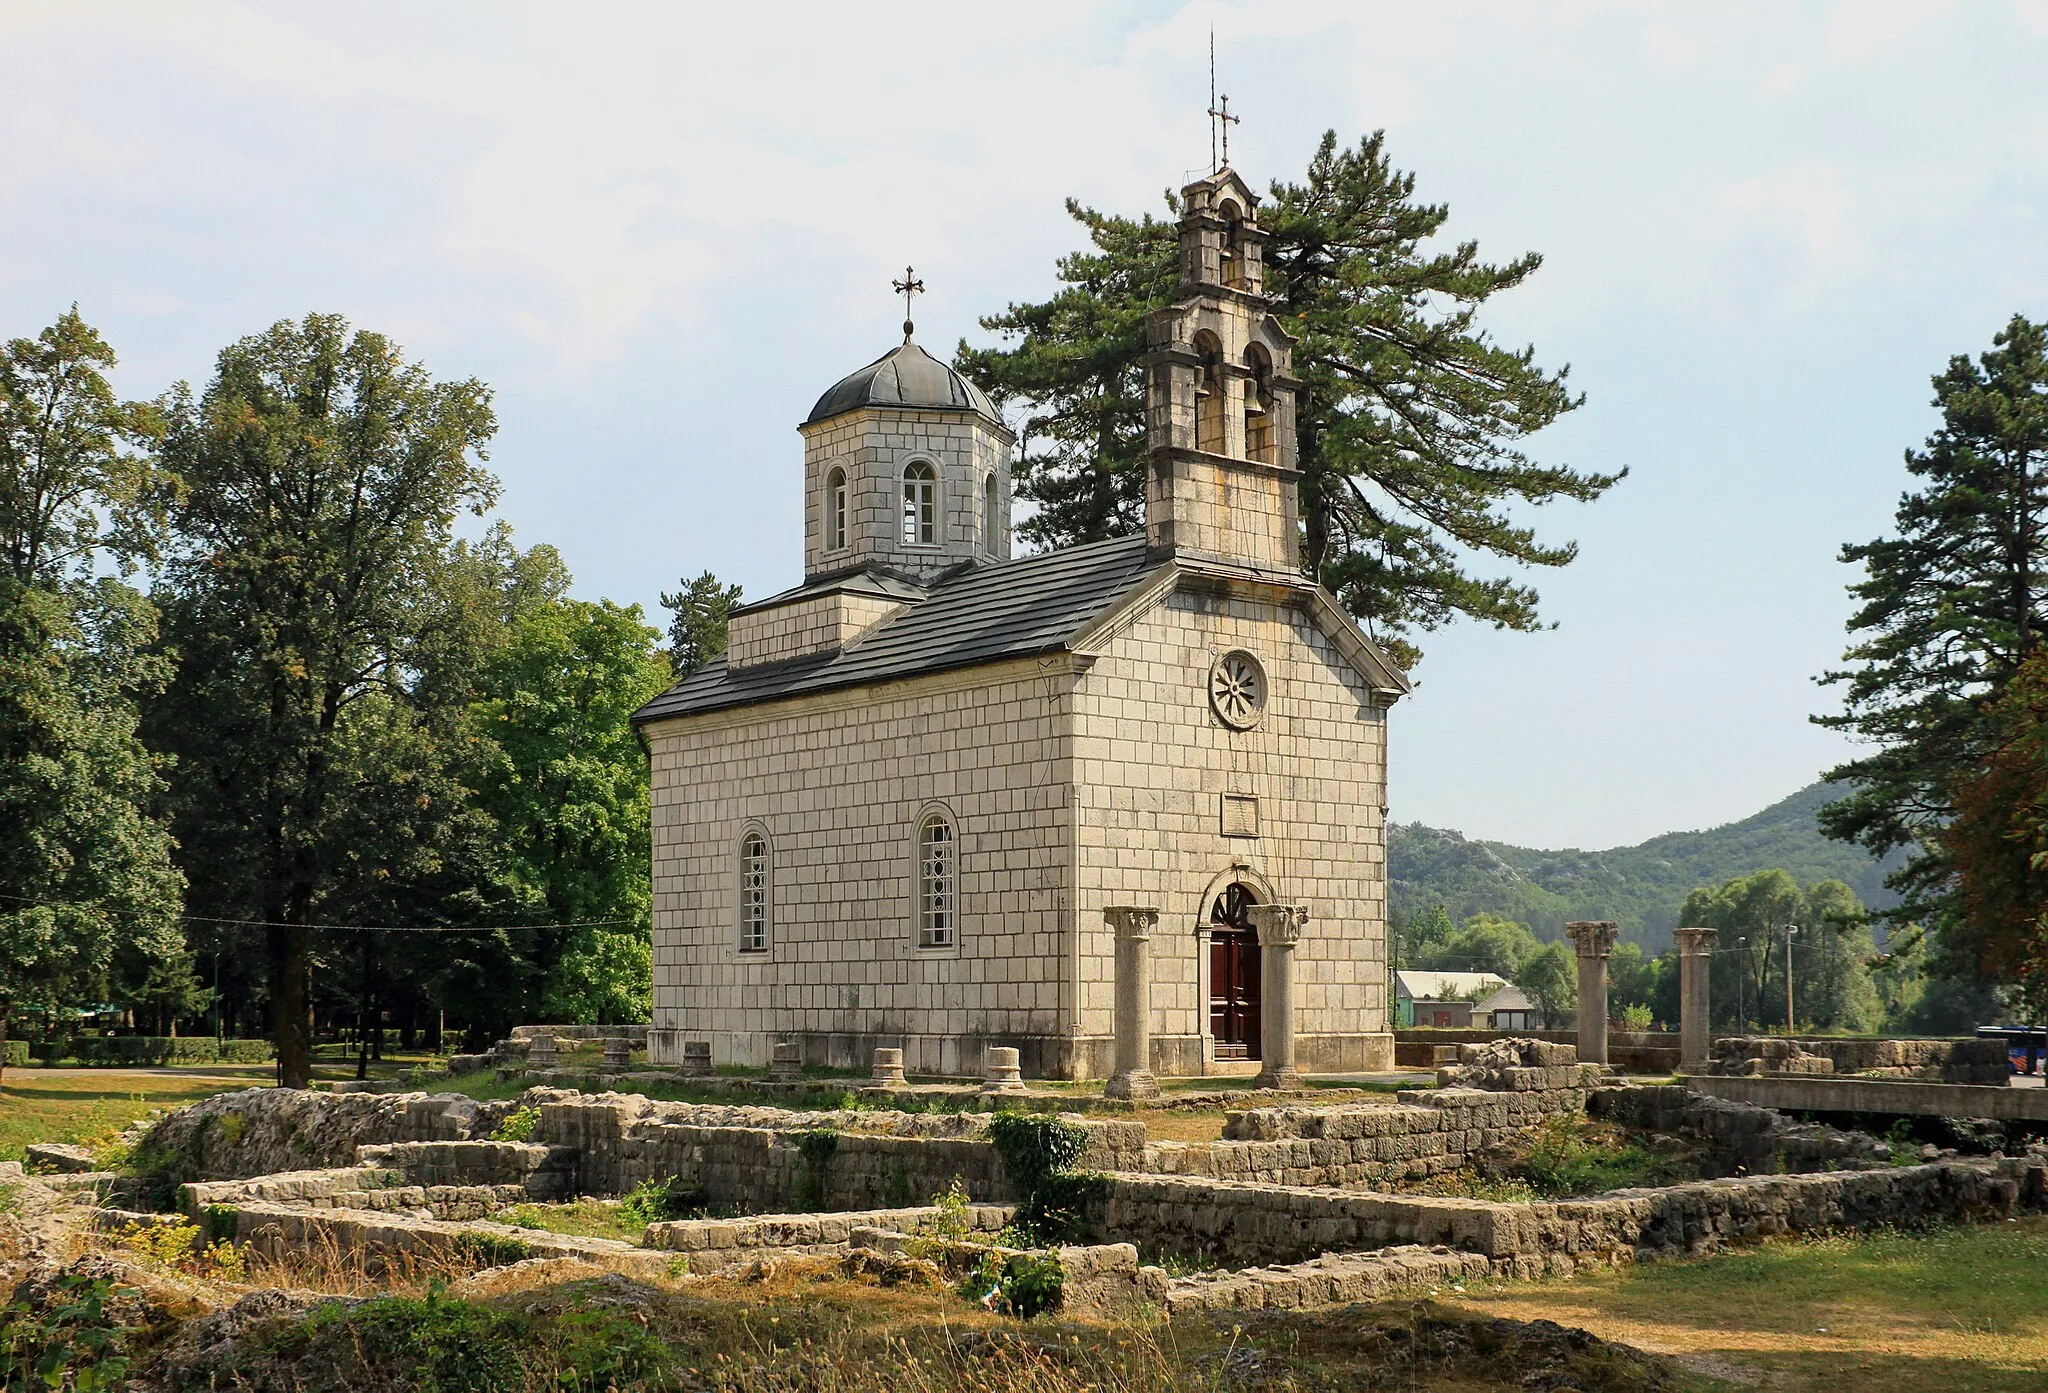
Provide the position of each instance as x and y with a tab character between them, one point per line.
1950	608
1408	421
697	633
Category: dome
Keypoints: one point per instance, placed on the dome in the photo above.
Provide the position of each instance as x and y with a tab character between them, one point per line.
904	376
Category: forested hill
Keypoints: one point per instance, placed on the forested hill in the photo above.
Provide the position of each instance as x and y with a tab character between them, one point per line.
1641	887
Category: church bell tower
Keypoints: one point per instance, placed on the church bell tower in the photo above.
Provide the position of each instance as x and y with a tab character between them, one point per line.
1221	481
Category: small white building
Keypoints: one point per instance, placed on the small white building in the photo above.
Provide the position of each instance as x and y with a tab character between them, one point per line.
895	812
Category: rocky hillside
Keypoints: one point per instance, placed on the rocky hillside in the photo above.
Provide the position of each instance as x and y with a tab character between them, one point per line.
1640	886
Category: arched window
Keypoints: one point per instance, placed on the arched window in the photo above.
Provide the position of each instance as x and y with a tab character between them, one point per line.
937	876
1233	250
1258	407
920	506
1209	395
835	510
754	889
989	506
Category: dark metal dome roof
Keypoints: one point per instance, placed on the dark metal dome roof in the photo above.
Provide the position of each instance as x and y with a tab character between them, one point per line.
904	376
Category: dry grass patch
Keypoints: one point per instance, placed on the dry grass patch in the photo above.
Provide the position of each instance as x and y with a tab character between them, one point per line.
1963	1309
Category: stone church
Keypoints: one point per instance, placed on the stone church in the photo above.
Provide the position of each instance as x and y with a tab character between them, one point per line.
901	809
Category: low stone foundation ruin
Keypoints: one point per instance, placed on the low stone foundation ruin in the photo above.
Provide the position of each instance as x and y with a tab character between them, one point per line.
1936	1061
1284	1201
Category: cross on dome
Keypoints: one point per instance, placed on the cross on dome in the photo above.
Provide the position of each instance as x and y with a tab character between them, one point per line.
910	285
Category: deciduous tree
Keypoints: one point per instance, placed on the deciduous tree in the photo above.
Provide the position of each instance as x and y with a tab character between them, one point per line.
84	867
322	474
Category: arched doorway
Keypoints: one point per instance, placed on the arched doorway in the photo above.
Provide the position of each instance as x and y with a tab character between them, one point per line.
1234	973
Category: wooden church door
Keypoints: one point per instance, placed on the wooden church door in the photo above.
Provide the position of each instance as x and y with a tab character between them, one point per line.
1234	975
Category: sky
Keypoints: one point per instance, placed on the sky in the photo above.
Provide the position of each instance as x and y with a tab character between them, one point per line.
659	232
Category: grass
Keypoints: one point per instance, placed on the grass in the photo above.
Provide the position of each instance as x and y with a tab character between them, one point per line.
583	1218
1962	1309
817	1325
90	1109
1565	1157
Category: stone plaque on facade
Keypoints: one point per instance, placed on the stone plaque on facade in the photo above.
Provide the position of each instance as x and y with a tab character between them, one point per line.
1240	815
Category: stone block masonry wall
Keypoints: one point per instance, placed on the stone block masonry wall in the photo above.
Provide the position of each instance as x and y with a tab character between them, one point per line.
527	1169
750	1157
1430	1134
369	1188
712	1243
1243	1224
1151	766
1939	1061
838	784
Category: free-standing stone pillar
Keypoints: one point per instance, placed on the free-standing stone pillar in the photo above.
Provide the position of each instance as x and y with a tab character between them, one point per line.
1594	938
1133	1076
1279	927
888	1067
1695	970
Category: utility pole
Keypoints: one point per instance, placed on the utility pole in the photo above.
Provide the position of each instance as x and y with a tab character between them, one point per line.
1742	985
1790	929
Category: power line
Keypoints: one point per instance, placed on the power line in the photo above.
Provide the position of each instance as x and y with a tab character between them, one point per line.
359	928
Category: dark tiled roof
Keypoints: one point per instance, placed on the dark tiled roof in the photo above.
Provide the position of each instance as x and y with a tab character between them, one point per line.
982	616
904	376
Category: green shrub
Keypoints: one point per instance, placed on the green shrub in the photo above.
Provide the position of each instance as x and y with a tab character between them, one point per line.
1038	1155
17	1054
443	1346
1016	1284
652	1201
519	1126
491	1249
116	1051
72	1343
814	1154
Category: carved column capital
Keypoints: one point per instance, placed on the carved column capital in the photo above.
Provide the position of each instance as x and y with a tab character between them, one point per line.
1594	938
1131	921
1278	925
1695	943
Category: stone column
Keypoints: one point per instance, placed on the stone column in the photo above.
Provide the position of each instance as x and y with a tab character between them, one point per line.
1594	938
888	1068
1279	927
1133	1075
1000	1071
1695	970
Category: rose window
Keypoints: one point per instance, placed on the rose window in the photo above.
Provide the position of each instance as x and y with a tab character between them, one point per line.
1237	689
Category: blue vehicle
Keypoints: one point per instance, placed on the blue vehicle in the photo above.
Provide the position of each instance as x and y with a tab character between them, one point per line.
2026	1046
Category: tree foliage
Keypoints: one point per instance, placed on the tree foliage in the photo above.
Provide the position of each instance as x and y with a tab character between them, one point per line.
1410	415
322	474
696	634
566	781
1997	843
84	867
1950	609
1549	977
1832	952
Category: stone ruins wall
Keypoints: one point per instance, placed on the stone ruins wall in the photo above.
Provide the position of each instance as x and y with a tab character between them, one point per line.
1739	1137
372	1188
1935	1061
1240	1224
262	1131
751	1157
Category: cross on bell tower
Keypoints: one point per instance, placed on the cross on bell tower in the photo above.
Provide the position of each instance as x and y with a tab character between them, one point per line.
910	285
